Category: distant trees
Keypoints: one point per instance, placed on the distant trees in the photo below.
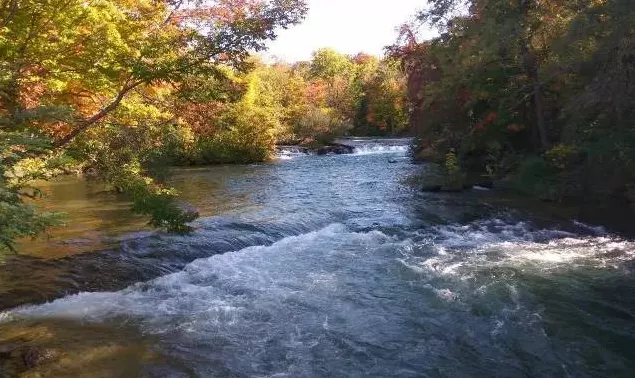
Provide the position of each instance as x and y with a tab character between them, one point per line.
337	94
540	90
307	102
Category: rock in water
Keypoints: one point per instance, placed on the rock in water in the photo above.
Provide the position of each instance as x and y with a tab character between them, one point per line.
338	149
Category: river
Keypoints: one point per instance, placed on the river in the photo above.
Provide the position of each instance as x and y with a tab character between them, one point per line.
323	266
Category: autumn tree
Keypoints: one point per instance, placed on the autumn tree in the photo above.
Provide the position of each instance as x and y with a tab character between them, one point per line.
540	90
93	84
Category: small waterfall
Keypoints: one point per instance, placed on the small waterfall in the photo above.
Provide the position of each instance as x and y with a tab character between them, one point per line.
380	149
290	152
361	146
373	146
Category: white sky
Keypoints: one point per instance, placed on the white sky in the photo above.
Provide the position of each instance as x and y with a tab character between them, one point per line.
349	26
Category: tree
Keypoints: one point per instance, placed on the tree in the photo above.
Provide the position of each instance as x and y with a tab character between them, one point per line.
327	64
78	79
541	90
381	107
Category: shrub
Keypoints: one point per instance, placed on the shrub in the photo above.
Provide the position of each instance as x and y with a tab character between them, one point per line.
320	125
247	134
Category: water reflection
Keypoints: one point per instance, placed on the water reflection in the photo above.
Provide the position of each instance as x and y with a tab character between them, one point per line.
94	217
97	218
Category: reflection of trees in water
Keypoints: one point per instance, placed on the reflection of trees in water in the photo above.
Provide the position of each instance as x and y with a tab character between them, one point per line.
96	217
221	189
25	280
93	214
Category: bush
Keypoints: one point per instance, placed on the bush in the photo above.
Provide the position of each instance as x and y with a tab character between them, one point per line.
563	156
608	169
247	135
319	125
541	178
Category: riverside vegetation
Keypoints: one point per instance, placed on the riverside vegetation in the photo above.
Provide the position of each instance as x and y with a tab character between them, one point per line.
537	94
118	90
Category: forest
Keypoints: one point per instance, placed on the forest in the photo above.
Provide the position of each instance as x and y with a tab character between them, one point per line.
537	95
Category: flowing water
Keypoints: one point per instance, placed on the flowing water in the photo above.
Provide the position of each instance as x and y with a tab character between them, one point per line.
330	266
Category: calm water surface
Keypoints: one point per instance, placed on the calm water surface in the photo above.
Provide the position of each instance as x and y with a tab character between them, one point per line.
332	266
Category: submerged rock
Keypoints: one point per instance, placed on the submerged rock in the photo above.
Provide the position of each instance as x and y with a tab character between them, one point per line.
431	188
31	357
336	148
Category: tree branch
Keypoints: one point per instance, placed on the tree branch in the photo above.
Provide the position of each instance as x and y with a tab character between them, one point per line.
87	123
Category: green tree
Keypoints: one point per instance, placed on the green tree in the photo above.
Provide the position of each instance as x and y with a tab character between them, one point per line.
327	64
96	82
537	89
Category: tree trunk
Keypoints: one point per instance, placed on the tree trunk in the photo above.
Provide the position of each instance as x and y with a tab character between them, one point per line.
532	72
540	114
530	64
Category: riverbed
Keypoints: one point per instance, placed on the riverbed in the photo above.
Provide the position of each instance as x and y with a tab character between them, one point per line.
323	266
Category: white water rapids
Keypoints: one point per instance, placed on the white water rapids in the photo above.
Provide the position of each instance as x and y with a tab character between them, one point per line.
368	278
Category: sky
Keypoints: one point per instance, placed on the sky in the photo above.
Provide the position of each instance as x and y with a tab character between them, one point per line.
349	26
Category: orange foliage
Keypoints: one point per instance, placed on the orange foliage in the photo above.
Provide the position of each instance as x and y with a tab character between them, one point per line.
362	58
489	119
316	92
223	11
201	117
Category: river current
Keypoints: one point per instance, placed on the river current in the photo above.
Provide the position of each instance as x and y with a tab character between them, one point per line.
334	266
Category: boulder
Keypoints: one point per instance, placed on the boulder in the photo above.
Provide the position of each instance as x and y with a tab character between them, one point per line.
341	149
427	154
336	148
442	183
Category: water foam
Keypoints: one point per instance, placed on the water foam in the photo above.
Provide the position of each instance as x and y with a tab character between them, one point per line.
290	152
459	250
338	299
374	149
221	286
361	147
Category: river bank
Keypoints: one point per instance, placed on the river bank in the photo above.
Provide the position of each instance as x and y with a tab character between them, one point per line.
542	184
